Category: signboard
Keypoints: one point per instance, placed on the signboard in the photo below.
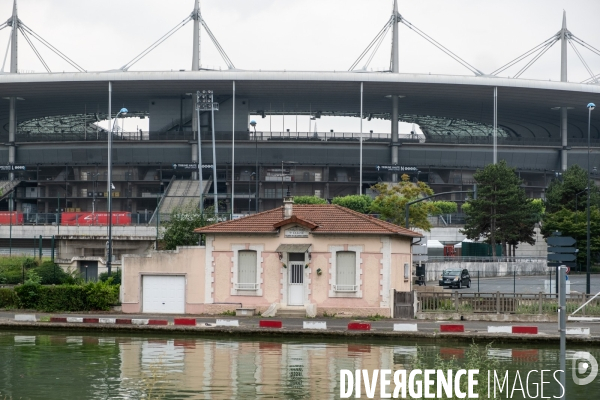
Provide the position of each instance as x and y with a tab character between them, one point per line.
12	168
296	232
190	166
561	257
396	168
560	241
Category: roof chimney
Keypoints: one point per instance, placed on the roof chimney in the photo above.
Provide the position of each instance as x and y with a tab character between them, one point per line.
288	205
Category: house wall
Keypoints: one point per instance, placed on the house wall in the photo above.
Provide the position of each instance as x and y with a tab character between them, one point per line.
211	273
188	261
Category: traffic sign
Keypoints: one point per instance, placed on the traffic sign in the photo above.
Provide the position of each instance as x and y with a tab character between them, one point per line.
569	264
560	241
562	249
396	168
561	257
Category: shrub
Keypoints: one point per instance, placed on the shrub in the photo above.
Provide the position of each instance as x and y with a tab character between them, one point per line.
89	297
309	200
8	298
116	277
12	269
52	274
358	203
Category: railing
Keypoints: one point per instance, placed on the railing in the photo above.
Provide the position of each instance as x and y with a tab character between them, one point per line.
345	288
246	286
503	303
434	259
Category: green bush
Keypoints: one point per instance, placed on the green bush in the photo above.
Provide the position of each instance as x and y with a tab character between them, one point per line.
12	269
52	274
8	298
358	203
309	200
116	277
89	297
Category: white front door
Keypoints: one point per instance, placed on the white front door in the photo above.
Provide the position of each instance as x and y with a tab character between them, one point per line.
296	284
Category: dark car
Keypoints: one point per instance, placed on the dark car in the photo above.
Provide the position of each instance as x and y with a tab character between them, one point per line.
455	278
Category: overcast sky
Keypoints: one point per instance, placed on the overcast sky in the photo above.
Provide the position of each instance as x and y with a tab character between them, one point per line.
319	35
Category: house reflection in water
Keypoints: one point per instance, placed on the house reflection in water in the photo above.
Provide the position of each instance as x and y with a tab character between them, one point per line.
245	369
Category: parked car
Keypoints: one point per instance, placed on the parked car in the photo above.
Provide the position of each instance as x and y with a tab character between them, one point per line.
455	278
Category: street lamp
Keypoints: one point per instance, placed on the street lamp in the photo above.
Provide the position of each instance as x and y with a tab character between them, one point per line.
249	198
253	124
110	186
590	107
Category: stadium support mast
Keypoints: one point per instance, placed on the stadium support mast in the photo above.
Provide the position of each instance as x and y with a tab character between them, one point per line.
563	78
12	118
197	17
395	70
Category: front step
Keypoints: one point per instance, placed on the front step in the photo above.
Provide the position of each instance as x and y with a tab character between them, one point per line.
297	313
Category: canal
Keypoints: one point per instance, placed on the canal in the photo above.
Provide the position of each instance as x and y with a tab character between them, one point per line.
54	365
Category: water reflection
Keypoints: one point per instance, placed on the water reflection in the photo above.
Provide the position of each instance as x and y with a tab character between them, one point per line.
82	367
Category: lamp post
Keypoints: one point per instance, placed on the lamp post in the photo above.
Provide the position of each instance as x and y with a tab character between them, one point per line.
253	124
590	107
109	185
249	198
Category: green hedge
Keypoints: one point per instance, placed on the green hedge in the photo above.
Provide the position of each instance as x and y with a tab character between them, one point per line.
8	298
89	297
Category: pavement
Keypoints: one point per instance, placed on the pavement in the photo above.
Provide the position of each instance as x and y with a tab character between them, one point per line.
339	325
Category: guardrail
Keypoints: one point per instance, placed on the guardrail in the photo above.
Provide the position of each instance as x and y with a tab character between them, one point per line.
503	303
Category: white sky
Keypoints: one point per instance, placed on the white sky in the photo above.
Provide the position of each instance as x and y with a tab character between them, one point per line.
306	35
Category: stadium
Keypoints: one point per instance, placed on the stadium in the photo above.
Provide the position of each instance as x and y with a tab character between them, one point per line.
55	159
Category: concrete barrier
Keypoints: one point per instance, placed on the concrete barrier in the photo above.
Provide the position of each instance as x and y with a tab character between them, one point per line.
123	321
136	321
578	331
227	322
359	326
107	320
158	322
452	328
58	319
25	317
74	319
405	327
185	321
527	330
266	323
91	320
500	329
314	325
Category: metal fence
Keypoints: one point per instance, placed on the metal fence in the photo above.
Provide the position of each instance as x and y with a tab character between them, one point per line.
504	303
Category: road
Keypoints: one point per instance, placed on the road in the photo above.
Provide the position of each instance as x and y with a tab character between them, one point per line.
525	284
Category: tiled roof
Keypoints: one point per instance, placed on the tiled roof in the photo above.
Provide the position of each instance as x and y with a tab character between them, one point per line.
329	218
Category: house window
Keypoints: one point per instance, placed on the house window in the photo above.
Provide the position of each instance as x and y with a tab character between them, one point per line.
246	271
345	272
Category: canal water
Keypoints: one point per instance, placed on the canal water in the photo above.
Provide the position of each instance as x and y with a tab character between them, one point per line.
111	366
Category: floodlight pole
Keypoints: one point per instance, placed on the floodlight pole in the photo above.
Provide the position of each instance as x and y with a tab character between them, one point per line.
495	125
360	169
200	189
590	107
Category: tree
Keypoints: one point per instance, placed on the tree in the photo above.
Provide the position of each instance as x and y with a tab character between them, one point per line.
179	230
309	200
561	193
502	213
359	203
391	201
445	207
574	224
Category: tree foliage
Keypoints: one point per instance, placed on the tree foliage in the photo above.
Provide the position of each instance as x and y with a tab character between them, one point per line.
391	201
562	193
574	224
502	213
445	207
359	203
179	230
309	200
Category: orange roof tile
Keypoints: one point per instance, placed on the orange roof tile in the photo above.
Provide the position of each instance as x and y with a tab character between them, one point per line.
328	218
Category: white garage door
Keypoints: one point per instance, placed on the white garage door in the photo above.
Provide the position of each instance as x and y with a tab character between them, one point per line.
163	294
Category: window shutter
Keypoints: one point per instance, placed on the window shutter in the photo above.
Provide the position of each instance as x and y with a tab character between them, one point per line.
247	267
346	271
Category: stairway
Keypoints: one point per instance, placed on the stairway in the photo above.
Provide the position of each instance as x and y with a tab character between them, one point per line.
180	194
291	312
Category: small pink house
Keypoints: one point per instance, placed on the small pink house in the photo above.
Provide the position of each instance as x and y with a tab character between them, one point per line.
312	258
